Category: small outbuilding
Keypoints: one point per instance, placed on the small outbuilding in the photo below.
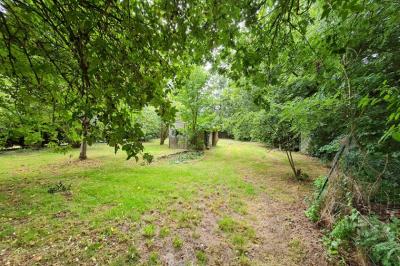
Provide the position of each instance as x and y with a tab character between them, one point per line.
178	138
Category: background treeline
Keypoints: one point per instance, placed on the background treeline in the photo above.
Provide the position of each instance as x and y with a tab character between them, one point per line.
35	126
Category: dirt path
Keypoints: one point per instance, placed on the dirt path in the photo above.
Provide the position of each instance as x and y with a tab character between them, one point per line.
286	236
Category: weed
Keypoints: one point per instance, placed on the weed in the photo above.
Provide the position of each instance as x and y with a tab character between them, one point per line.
313	211
239	206
296	250
108	231
339	239
377	239
189	218
319	182
244	260
238	240
92	249
153	258
380	240
227	224
201	257
133	255
6	230
239	243
249	232
164	232
59	187
240	234
177	243
149	231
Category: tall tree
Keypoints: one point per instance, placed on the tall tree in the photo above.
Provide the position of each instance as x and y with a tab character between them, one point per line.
194	99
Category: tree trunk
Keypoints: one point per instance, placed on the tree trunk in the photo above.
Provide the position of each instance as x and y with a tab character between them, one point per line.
214	138
163	133
296	172
83	152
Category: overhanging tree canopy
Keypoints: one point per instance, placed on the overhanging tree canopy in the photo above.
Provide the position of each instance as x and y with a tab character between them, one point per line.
99	61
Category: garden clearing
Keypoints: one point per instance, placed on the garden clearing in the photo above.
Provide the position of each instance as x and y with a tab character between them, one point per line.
236	204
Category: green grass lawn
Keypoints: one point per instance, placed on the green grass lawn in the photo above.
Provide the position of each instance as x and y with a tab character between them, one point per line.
126	212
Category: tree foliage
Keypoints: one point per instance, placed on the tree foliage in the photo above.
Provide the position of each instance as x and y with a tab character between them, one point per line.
194	102
95	63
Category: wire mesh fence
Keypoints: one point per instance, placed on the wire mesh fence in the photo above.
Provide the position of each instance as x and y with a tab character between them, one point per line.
367	184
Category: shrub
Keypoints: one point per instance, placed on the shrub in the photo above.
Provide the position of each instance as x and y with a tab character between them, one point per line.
53	146
313	211
339	239
380	241
59	187
148	158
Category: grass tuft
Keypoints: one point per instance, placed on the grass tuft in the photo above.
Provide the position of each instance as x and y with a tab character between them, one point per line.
164	232
149	231
228	224
177	243
201	257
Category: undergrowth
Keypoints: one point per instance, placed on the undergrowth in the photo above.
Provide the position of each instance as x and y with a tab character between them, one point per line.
59	187
186	157
378	241
313	210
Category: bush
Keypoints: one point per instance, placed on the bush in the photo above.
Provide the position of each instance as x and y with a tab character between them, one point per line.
150	123
59	148
380	241
59	187
340	238
313	211
148	158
